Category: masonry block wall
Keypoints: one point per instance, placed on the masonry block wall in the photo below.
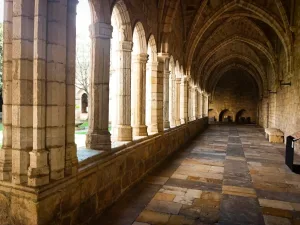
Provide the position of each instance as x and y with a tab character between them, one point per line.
235	92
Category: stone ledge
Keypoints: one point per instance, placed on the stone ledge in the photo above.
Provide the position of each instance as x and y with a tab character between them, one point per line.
274	135
98	183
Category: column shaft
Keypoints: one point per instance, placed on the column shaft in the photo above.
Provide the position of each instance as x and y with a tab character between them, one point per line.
177	101
71	160
123	130
22	89
195	103
56	87
38	171
157	88
6	151
184	100
205	104
166	91
172	99
138	94
98	136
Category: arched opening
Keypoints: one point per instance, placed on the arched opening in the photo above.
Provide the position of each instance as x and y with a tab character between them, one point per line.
82	71
225	116
84	103
242	117
120	63
151	72
138	81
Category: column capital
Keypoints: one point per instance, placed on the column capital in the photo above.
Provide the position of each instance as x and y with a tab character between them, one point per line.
101	30
143	57
126	46
163	56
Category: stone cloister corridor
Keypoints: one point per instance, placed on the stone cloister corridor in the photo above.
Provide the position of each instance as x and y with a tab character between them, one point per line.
188	105
228	175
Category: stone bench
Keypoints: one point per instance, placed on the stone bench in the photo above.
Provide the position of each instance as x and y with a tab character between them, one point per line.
274	135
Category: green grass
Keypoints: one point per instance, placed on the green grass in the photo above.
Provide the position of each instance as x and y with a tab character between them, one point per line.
84	128
85	125
1	127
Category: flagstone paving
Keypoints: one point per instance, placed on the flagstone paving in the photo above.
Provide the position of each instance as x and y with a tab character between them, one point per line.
229	175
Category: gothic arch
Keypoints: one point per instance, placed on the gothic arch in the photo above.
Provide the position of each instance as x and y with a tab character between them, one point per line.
121	14
139	39
256	10
249	41
259	69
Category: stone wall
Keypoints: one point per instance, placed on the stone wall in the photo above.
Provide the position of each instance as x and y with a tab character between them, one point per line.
235	91
99	183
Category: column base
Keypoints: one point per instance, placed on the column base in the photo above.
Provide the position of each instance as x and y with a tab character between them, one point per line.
177	122
166	124
122	133
71	159
98	141
140	131
38	171
183	121
5	164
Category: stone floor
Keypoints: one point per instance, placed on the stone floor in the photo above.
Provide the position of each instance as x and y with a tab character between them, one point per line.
229	175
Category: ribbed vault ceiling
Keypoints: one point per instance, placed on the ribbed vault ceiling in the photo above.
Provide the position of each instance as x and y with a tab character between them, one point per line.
247	35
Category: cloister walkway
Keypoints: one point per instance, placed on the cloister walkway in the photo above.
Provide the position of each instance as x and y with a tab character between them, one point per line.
229	175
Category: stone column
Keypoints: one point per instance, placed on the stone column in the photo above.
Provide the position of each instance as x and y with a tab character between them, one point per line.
22	86
172	99
201	104
184	100
199	107
195	103
6	151
157	96
139	94
166	91
38	171
71	160
56	87
177	101
98	136
205	105
190	103
123	129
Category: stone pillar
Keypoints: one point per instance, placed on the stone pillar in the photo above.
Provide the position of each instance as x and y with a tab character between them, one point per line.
157	87
177	101
184	100
172	99
205	105
139	94
98	136
38	171
22	89
199	114
123	130
166	91
56	87
71	160
200	104
191	103
6	151
195	102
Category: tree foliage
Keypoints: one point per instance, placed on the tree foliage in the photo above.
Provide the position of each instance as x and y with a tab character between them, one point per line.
1	56
82	66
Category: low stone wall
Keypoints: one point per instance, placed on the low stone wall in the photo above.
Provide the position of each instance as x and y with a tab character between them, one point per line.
78	199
